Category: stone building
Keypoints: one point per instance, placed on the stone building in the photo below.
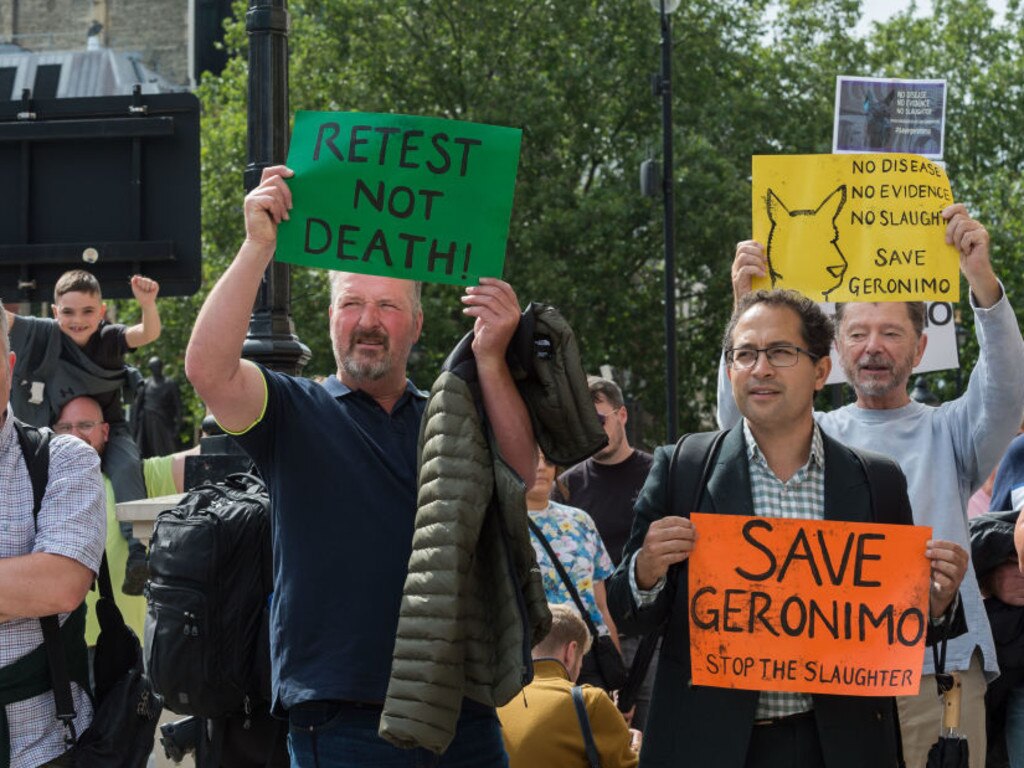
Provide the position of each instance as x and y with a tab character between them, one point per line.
172	38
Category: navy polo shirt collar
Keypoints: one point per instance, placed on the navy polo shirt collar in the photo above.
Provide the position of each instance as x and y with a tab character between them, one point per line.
337	389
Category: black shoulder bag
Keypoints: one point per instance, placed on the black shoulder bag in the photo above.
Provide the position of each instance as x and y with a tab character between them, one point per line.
126	708
609	660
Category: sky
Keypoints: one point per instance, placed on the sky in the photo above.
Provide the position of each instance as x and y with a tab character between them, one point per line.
879	10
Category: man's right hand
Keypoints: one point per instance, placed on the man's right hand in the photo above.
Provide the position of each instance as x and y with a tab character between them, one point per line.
669	540
750	262
267	205
1006	583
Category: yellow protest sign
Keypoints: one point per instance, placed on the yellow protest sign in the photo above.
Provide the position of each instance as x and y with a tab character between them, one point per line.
855	227
809	606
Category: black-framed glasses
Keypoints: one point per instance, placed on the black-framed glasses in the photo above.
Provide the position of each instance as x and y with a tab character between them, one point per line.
779	356
603	417
85	427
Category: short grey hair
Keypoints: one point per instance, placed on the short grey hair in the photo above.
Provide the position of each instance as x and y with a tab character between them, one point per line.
335	275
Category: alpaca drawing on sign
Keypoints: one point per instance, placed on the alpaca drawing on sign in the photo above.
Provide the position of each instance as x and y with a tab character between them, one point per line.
823	259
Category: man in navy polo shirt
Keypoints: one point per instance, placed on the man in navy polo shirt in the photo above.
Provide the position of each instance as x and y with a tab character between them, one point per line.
340	461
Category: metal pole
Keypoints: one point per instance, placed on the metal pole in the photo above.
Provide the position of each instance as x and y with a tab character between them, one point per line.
271	339
671	399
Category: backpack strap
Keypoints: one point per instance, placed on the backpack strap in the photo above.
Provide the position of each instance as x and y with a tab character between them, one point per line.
692	459
35	449
588	735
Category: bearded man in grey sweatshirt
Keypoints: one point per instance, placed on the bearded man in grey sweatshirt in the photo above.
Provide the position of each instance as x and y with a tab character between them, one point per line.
945	452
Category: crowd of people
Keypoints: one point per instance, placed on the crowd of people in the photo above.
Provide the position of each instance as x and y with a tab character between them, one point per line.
610	537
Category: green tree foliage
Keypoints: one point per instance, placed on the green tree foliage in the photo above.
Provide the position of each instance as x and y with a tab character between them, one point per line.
749	77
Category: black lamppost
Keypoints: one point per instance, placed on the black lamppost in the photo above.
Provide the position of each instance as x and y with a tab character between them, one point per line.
663	87
271	339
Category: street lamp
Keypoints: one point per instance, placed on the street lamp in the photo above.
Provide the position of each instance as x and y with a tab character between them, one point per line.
271	339
663	86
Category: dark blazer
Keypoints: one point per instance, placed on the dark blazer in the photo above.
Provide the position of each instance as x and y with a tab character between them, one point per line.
703	727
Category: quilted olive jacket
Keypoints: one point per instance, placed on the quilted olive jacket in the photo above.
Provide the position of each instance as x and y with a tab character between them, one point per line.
473	604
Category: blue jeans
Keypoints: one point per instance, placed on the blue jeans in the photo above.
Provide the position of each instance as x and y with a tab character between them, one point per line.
1015	726
329	735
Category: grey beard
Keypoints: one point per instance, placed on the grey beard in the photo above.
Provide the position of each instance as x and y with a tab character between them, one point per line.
366	371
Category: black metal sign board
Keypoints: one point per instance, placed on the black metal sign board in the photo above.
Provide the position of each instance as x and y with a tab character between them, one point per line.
107	184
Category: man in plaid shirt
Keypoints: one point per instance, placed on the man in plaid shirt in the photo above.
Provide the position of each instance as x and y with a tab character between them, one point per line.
46	567
776	463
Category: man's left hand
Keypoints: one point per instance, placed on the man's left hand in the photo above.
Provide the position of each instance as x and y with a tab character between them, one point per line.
948	565
495	308
971	239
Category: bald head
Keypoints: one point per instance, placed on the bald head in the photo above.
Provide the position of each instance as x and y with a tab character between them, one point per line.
83	418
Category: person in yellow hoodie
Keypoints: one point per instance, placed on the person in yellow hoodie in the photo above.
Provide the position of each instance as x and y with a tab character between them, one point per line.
541	727
82	417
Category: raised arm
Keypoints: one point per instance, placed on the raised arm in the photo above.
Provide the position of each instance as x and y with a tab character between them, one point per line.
749	262
233	388
145	291
495	309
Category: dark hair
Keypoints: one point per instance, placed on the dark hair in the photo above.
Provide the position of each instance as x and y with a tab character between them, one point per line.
916	310
815	325
76	281
607	389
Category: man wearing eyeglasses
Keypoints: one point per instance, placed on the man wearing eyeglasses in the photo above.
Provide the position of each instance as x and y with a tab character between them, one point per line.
945	452
776	462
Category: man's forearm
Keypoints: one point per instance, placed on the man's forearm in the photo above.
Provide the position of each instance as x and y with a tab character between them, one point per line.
510	420
41	584
215	348
151	325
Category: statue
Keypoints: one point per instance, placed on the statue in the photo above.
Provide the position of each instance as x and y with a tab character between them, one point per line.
156	414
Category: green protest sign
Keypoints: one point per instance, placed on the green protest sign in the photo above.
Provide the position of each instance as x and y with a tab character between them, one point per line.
412	197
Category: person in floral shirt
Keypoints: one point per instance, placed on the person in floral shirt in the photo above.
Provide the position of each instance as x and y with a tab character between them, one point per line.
574	538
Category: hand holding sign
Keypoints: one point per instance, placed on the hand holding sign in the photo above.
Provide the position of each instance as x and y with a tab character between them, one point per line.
949	564
267	205
749	263
669	540
495	308
971	239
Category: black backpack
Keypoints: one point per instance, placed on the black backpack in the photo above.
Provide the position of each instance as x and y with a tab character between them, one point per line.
207	621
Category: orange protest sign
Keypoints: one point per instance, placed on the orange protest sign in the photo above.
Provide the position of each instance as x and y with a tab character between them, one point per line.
808	606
